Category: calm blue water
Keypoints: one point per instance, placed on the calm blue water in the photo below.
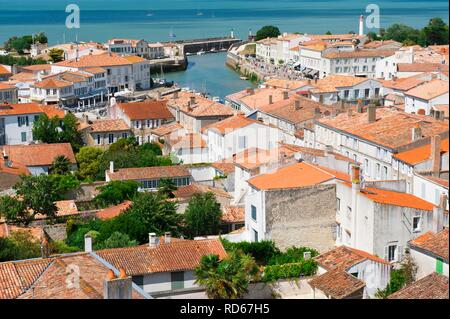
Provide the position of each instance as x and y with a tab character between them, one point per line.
154	19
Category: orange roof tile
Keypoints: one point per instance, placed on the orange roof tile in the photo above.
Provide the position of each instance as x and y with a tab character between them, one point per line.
165	257
435	243
233	214
359	54
99	60
337	284
109	125
155	172
188	141
421	67
292	176
433	286
231	124
4	70
19	109
37	67
429	90
134	59
202	107
113	211
167	129
7	86
420	154
52	83
403	84
52	111
146	110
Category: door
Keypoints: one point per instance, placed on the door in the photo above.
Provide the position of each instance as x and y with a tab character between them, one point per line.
177	280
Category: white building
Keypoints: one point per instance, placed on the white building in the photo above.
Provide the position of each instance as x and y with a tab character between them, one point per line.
422	99
237	133
430	253
128	47
379	219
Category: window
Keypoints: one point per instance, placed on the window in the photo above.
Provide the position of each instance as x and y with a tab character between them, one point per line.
177	280
385	172
253	210
124	135
255	235
98	139
338	232
391	253
138	280
23	136
416	224
356	94
22	121
110	138
366	167
378	170
242	142
349	212
338	204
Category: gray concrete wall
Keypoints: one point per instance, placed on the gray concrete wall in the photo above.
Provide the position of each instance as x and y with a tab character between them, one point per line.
302	217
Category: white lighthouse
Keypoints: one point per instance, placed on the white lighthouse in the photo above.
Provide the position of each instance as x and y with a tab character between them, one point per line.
361	25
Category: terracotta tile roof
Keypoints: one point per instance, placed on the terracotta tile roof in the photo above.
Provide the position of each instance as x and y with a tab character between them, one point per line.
202	107
420	154
397	99
344	257
19	109
442	107
285	84
4	70
332	83
261	96
231	124
7	229
435	243
53	281
391	129
66	208
233	214
95	70
188	141
224	167
421	67
167	129
109	126
52	111
377	44
23	77
52	83
292	176
437	180
403	84
337	284
186	192
429	90
433	286
285	109
394	198
6	86
99	60
38	154
17	277
113	211
146	110
155	172
134	59
359	54
37	67
165	257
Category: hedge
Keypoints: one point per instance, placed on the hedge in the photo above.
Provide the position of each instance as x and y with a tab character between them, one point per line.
292	270
262	251
292	255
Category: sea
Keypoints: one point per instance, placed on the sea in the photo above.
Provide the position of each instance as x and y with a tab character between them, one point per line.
164	20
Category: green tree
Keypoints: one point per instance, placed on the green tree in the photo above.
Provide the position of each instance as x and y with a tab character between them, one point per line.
119	240
226	279
41	38
88	159
436	32
372	36
61	165
401	33
268	31
328	33
166	187
116	192
19	245
56	55
203	215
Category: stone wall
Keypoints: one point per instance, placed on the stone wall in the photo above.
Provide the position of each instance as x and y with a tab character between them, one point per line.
302	217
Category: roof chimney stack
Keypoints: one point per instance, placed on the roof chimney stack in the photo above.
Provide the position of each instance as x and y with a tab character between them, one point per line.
297	105
371	113
356	179
416	133
285	94
436	155
270	99
117	288
111	166
87	243
175	95
167	237
438	213
192	100
152	240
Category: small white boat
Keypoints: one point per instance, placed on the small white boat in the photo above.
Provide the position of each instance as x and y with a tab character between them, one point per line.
213	50
200	52
243	78
216	99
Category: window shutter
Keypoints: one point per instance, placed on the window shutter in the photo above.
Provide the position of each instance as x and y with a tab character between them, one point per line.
386	252
26	119
399	253
18	121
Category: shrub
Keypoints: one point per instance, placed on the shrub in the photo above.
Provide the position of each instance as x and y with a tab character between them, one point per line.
292	255
291	270
262	251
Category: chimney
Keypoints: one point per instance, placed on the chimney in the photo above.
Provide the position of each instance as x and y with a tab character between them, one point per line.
285	94
328	149
87	243
111	166
297	105
356	176
342	105
152	240
349	113
192	100
167	237
250	91
270	99
117	288
416	133
159	96
371	113
436	155
317	112
45	249
438	213
175	95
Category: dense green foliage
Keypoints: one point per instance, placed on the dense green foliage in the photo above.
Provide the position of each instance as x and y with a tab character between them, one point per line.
21	61
56	55
263	251
229	278
166	187
56	130
88	159
35	195
268	31
20	44
116	192
291	255
61	165
150	212
20	245
203	215
118	240
290	270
